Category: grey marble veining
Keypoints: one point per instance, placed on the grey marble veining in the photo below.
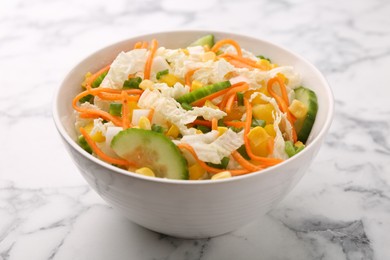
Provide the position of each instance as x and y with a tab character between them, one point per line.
341	208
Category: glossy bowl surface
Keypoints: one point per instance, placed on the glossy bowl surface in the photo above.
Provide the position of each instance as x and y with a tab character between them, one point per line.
192	209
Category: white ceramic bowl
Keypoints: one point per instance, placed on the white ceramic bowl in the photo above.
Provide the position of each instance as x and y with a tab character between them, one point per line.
192	209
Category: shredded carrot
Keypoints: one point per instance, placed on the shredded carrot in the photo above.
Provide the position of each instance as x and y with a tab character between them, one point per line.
238	124
188	76
200	102
92	78
240	86
263	160
125	111
244	163
113	97
229	103
149	61
88	112
239	64
220	43
202	122
151	114
100	153
214	124
282	101
144	45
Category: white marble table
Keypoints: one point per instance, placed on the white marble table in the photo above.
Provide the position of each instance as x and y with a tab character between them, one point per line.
341	208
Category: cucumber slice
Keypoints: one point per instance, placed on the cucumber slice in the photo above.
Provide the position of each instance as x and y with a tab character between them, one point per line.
205	40
203	92
153	150
304	126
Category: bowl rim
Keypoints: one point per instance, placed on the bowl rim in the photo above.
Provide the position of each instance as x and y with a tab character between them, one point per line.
82	152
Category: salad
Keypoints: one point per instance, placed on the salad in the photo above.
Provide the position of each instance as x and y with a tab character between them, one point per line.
210	110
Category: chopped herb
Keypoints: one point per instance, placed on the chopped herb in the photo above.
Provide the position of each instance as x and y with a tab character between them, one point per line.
132	83
161	73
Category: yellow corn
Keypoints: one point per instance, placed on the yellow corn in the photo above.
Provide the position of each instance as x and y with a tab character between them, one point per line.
170	79
270	130
132	105
198	132
298	144
185	51
264	64
196	85
264	112
144	123
282	77
208	103
221	130
173	131
196	171
86	76
221	175
98	136
210	55
146	84
258	141
298	109
145	171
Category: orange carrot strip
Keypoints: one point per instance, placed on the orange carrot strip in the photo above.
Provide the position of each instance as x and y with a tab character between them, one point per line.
214	124
264	160
90	112
240	86
202	122
229	103
237	124
239	64
282	101
188	76
244	163
138	45
100	153
125	111
144	45
151	114
113	97
212	170
149	60
220	43
95	75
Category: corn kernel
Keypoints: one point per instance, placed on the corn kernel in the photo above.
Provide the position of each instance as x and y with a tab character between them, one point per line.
270	130
264	64
196	171
298	144
185	51
221	175
173	131
145	171
210	55
86	76
264	112
208	103
196	85
221	130
198	132
170	79
298	109
144	123
282	77
98	136
258	141
146	84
